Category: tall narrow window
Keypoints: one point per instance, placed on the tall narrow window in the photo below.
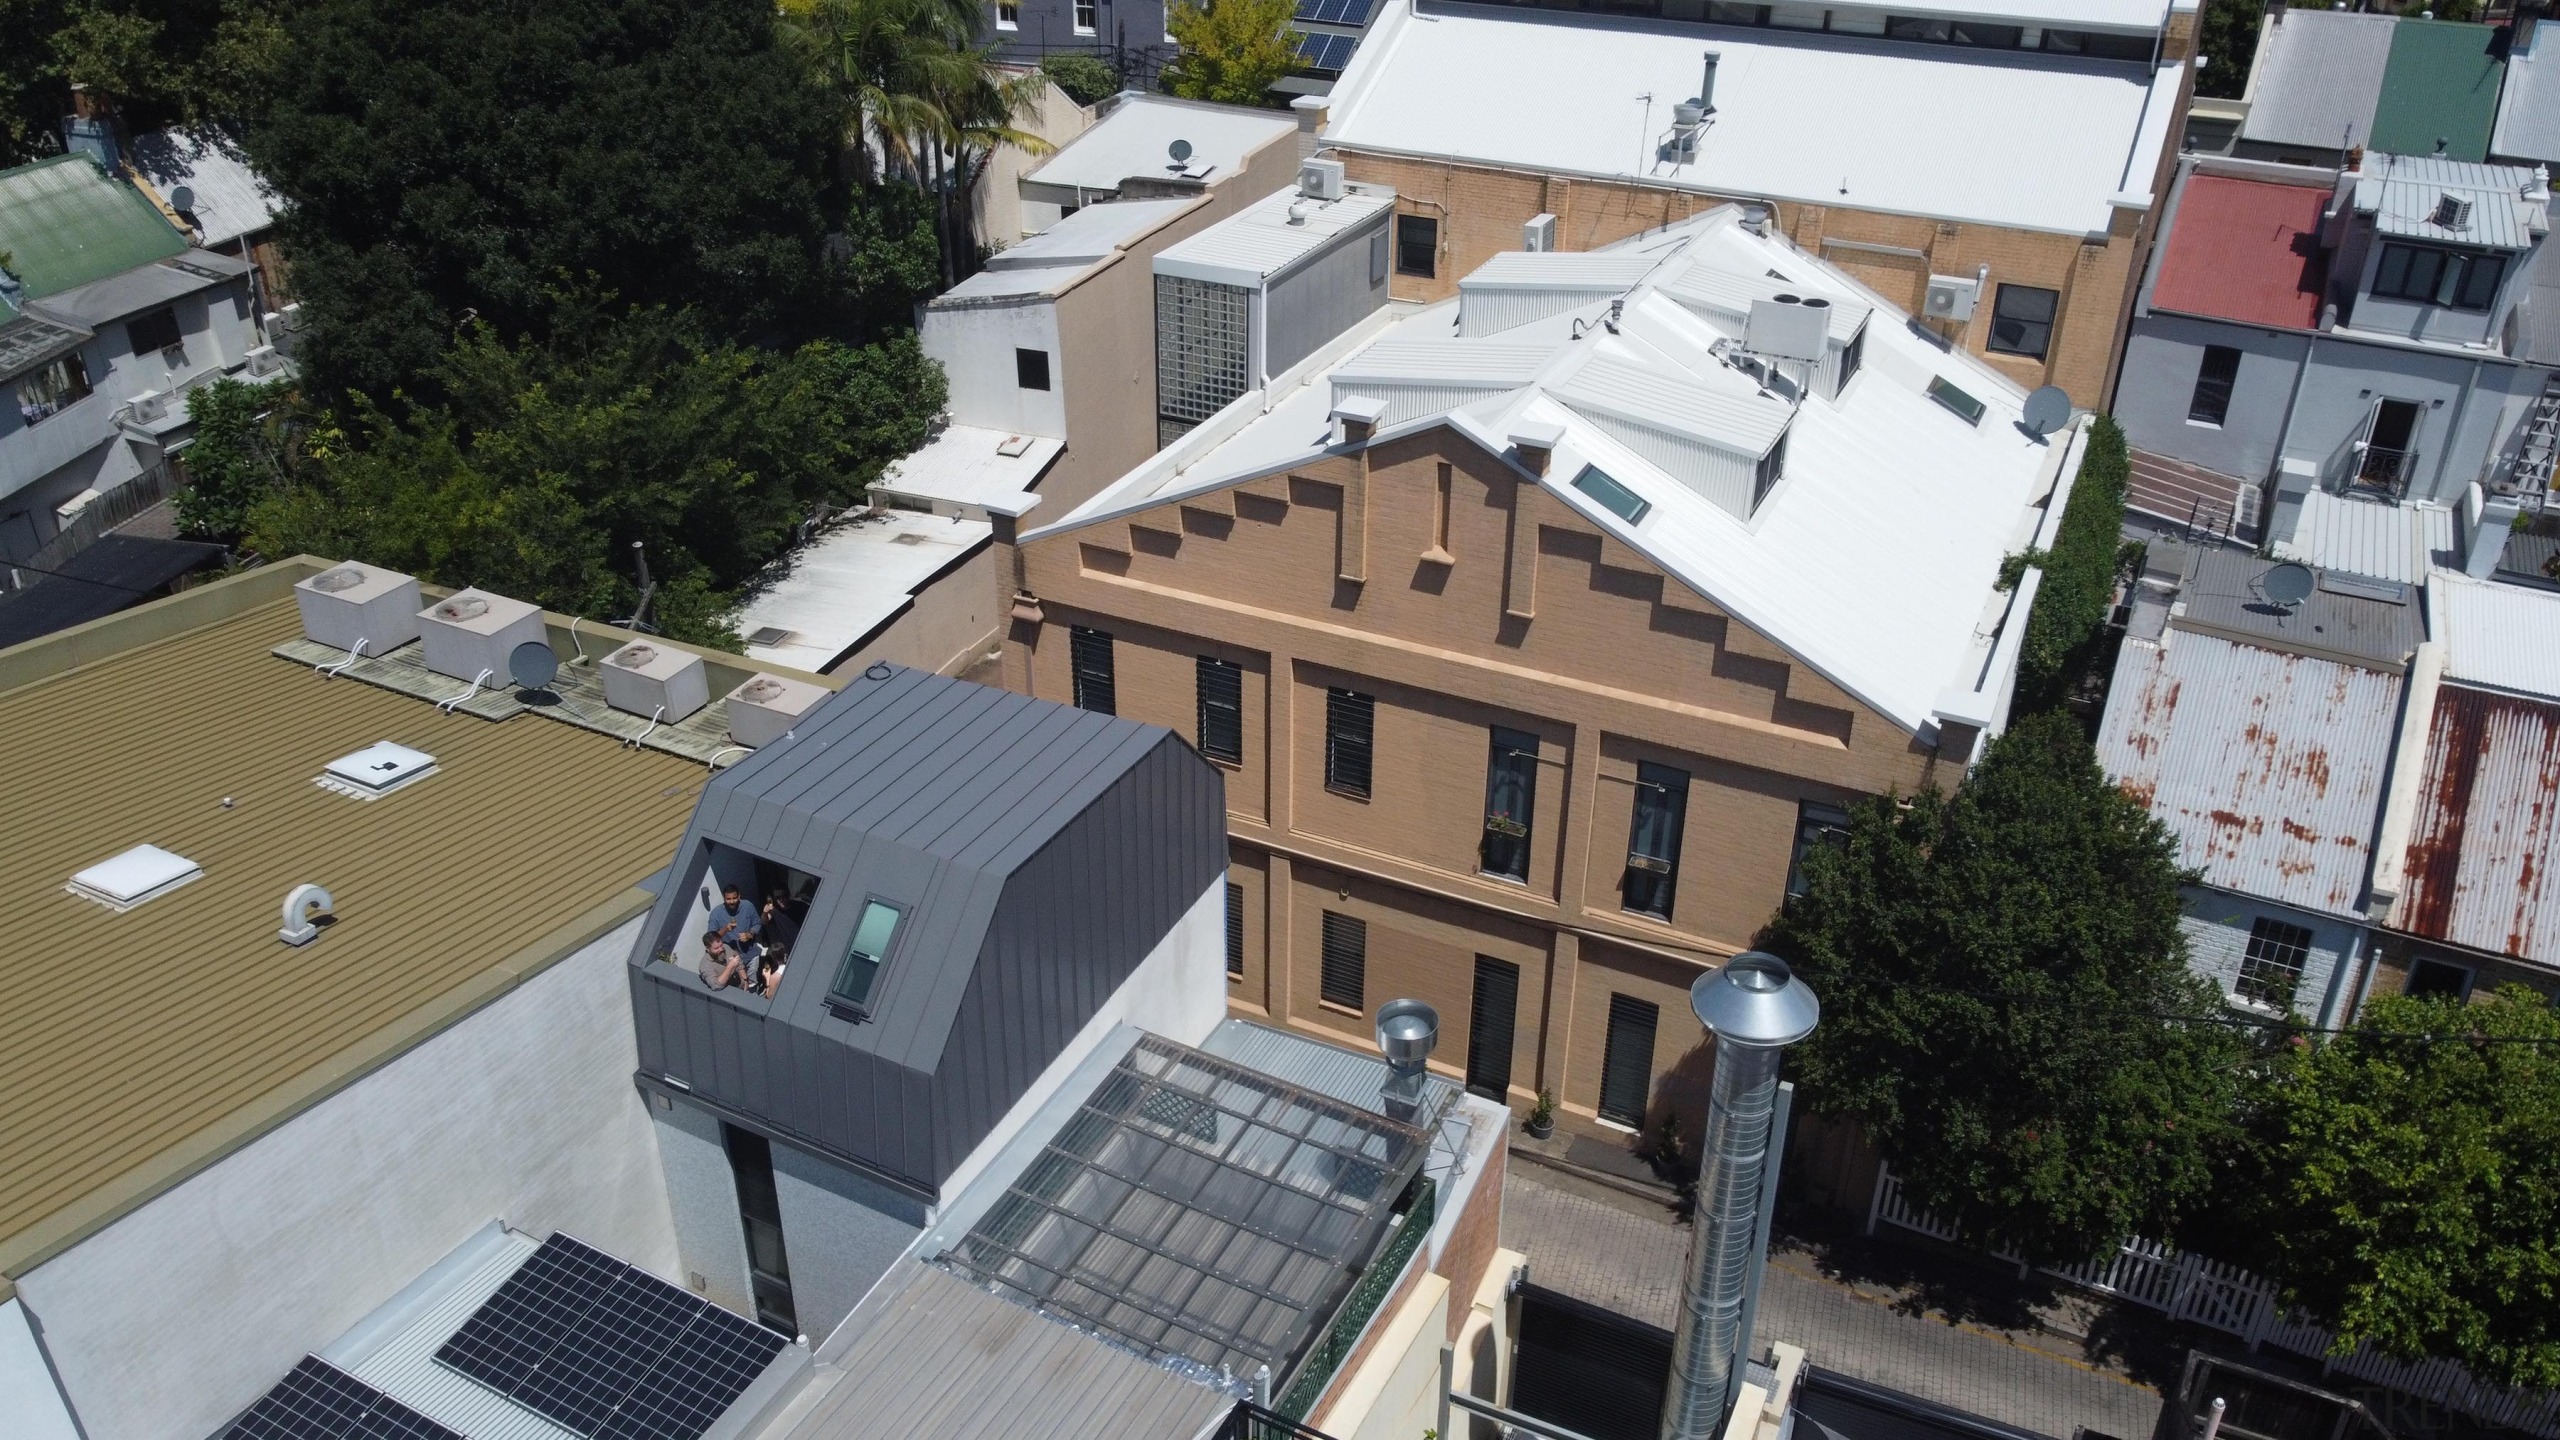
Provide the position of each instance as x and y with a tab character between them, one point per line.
1008	15
2215	375
1350	723
859	974
2022	320
1088	16
1653	840
1417	245
1440	511
760	1213
1235	931
1815	825
1344	980
2272	965
1221	709
1626	1063
1096	677
1510	801
1851	357
1772	467
1492	1019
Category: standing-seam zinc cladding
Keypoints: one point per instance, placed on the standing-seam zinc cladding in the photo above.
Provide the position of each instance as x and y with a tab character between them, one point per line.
1040	853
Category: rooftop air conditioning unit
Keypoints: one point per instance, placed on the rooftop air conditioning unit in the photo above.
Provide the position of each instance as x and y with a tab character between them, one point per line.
265	360
1785	327
1320	179
470	634
1951	297
1538	237
765	708
149	406
357	603
656	680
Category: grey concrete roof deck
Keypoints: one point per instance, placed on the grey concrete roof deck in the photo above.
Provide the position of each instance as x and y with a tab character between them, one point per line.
2354	619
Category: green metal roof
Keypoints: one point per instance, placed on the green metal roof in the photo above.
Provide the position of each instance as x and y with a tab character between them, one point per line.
64	223
2439	85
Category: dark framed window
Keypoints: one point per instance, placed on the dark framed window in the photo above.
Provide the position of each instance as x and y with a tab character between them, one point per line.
2459	279
1927	29
760	1214
1417	245
1221	709
1815	825
2022	320
2215	376
1852	356
2272	965
1958	402
51	388
1990	37
1626	1063
153	332
2098	44
1350	726
1765	475
2437	977
1615	498
1653	840
1510	803
1089	657
874	935
1031	369
1492	1022
1235	931
1723	13
1344	978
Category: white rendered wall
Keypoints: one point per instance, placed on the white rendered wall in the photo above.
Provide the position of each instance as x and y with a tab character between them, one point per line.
31	1405
975	344
183	1312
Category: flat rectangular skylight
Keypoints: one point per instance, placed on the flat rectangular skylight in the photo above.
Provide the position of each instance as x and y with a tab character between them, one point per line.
872	937
145	872
1615	498
376	770
1966	408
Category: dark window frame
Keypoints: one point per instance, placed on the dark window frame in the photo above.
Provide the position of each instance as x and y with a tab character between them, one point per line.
47	390
1493	1027
1623	1073
2439	275
1510	804
1611	494
2210	403
760	1219
1343	965
1030	368
1220	717
2272	962
1350	741
2458	984
2033	334
1651	882
1235	931
1418	235
1093	669
1816	824
1771	468
846	1004
1852	356
154	332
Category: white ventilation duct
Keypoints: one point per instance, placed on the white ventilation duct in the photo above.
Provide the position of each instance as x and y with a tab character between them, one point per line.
301	904
656	682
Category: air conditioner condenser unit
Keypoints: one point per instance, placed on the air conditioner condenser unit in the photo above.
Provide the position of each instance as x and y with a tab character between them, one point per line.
1951	297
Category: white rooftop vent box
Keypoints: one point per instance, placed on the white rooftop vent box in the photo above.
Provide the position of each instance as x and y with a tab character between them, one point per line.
376	771
145	872
1320	179
767	706
69	510
470	634
1538	237
353	602
1950	297
1787	327
648	679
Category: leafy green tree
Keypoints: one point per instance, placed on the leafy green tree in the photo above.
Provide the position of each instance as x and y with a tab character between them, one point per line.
233	460
2410	1187
1084	76
1232	50
451	161
160	62
2002	981
545	460
2227	37
2068	624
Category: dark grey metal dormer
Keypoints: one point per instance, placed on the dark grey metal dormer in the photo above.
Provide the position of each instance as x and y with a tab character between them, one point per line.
1031	855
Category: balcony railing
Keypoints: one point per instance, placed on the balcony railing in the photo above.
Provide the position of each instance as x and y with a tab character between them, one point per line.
2383	472
1377	1282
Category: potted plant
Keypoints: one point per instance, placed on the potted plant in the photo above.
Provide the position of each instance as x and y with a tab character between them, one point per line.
1541	1123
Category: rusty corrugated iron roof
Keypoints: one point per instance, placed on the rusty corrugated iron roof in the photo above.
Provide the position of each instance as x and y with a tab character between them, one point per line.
2269	767
2487	828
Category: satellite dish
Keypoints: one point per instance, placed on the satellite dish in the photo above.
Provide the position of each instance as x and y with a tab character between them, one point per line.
2288	584
2047	410
182	199
1180	150
532	665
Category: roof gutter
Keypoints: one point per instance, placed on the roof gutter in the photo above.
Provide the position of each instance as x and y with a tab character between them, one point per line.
2408	770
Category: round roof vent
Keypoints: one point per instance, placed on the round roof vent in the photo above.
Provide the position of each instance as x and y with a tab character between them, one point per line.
1755	999
345	577
462	607
633	657
761	689
1407	1031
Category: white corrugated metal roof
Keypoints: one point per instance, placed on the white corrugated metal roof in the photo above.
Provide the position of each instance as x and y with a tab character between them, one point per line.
1091	233
2402	193
230	201
1730	294
2316	77
965	469
1606	271
2504	636
1261	240
2016	138
834	595
2268	767
1874	560
1134	139
2369	537
1453	360
1716	406
2529	103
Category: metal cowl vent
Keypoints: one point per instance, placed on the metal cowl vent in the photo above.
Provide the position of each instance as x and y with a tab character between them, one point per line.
1407	1032
462	607
338	581
760	690
633	657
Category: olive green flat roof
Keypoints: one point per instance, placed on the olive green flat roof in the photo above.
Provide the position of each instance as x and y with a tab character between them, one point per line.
137	1048
63	223
2439	84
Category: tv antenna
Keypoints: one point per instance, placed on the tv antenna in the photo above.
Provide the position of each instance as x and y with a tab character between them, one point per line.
638	619
2048	409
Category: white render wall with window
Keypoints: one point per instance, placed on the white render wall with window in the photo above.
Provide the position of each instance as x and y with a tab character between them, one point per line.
2271	959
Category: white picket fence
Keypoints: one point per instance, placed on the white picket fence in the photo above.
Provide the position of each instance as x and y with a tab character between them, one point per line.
2230	1299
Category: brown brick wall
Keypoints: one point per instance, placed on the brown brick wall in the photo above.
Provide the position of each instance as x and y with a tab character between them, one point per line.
1472	1243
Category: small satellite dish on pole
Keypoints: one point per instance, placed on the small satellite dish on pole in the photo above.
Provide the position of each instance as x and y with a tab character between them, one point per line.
2287	585
533	665
1180	150
2047	410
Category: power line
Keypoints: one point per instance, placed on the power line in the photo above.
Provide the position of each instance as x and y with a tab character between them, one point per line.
2286	1025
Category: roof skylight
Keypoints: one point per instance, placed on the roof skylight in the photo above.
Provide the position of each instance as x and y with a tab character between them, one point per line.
145	872
1965	407
1615	498
376	771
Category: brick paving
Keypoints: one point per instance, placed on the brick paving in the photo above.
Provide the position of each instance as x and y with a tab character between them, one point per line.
1625	1254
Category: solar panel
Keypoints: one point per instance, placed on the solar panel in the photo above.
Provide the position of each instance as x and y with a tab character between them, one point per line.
319	1401
1335	12
606	1349
1326	52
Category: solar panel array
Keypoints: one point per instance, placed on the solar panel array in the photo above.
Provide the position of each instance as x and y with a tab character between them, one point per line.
319	1401
608	1350
1335	12
1326	52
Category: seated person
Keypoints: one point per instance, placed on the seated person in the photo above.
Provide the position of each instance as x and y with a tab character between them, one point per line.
780	928
734	920
721	966
773	969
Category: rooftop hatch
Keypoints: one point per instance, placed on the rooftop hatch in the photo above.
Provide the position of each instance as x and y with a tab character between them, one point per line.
376	770
145	872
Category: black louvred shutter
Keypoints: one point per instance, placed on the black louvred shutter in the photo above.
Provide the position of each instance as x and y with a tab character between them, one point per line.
1097	684
1626	1066
1490	1027
1346	961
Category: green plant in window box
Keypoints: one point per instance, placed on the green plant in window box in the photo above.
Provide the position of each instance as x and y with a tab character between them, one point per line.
1505	825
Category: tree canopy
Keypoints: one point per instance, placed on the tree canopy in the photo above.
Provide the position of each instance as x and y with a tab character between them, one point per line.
161	62
2002	977
1231	49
